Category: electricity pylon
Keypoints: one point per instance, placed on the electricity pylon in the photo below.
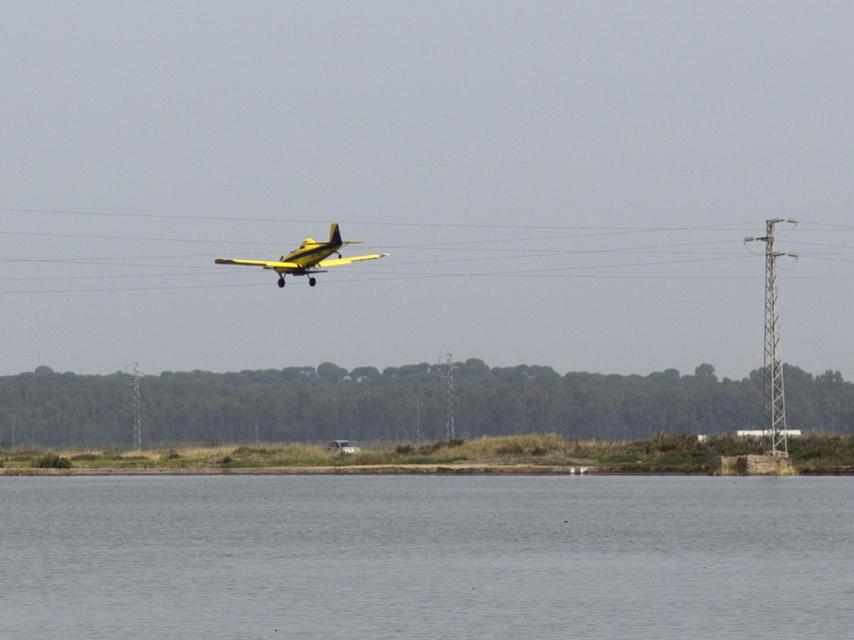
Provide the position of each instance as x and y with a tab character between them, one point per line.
450	427
137	396
775	395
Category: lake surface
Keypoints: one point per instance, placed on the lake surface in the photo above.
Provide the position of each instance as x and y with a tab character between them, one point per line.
426	557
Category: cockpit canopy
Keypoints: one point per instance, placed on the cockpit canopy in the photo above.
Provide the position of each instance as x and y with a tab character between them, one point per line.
307	242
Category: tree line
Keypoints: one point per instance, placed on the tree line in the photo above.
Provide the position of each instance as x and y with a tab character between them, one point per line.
399	404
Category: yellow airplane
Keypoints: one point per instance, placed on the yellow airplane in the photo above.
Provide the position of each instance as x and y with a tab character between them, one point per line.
309	259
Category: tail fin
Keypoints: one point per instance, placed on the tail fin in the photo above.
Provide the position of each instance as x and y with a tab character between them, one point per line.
335	234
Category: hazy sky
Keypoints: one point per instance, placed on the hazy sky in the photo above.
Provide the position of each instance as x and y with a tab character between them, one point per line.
544	174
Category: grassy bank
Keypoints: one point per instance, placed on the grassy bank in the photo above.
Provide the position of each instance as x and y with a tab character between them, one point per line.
660	453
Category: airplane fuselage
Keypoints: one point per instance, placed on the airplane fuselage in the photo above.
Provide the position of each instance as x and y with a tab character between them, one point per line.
309	253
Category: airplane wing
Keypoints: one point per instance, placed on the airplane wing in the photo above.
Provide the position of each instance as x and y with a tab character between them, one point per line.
337	262
267	264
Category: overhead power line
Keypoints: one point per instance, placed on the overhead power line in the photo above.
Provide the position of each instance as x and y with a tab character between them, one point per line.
820	244
117	276
126	289
384	223
527	251
390	278
93	236
424	276
830	226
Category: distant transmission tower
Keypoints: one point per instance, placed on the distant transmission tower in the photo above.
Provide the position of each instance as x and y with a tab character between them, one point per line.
137	397
419	399
450	428
775	396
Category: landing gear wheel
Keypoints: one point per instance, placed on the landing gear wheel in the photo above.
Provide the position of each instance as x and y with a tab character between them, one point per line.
281	283
312	282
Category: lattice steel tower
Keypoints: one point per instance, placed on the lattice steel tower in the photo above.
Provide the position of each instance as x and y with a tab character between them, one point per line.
450	427
775	395
137	397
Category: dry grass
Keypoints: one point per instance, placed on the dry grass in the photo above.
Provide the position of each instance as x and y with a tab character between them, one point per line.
658	453
547	448
518	446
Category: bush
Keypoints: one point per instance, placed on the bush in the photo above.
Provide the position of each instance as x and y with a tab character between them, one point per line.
53	461
404	449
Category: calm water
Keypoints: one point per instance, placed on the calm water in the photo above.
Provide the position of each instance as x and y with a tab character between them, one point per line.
426	557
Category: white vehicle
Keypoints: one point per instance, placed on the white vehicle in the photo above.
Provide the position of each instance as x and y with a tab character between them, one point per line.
342	446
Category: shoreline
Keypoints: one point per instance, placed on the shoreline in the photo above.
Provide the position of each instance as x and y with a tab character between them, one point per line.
369	469
381	470
531	454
